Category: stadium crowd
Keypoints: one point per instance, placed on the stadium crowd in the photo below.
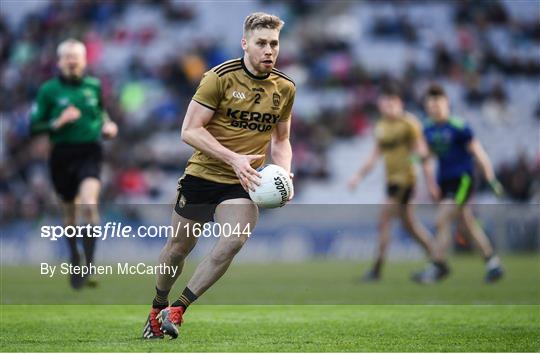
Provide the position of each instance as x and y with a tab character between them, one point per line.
147	88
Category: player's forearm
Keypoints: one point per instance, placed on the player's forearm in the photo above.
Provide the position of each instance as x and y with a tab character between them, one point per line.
427	168
366	168
202	140
368	164
484	162
282	153
39	126
485	166
421	149
40	121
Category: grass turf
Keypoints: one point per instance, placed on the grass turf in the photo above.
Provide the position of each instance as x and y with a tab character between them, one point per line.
392	315
231	328
317	282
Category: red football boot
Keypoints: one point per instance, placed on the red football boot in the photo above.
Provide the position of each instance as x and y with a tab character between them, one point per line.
170	318
152	328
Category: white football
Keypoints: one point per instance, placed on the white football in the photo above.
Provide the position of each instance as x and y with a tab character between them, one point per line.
275	189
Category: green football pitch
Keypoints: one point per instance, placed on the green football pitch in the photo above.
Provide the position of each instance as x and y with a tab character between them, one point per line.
316	306
267	328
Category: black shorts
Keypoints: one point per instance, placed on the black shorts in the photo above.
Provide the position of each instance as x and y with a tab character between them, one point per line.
459	189
402	194
70	164
198	198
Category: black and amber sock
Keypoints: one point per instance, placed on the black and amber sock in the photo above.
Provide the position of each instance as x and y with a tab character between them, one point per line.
377	266
185	299
89	247
75	258
161	299
441	265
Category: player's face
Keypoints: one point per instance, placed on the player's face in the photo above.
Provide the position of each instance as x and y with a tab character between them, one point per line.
438	108
262	49
390	106
72	62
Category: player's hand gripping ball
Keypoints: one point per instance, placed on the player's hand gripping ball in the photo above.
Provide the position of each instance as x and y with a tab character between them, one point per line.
275	189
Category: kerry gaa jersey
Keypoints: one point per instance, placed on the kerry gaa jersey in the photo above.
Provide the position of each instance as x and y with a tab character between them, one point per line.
247	109
396	139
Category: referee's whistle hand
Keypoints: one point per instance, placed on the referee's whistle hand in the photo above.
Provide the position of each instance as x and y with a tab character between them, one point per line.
109	130
70	114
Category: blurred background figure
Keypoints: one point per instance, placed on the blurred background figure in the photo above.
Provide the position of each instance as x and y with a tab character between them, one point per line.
399	141
69	109
456	148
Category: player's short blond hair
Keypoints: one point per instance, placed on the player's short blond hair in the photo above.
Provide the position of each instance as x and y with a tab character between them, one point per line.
258	20
62	47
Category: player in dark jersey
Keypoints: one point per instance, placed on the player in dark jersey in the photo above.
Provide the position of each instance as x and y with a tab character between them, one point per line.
69	109
452	141
241	108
